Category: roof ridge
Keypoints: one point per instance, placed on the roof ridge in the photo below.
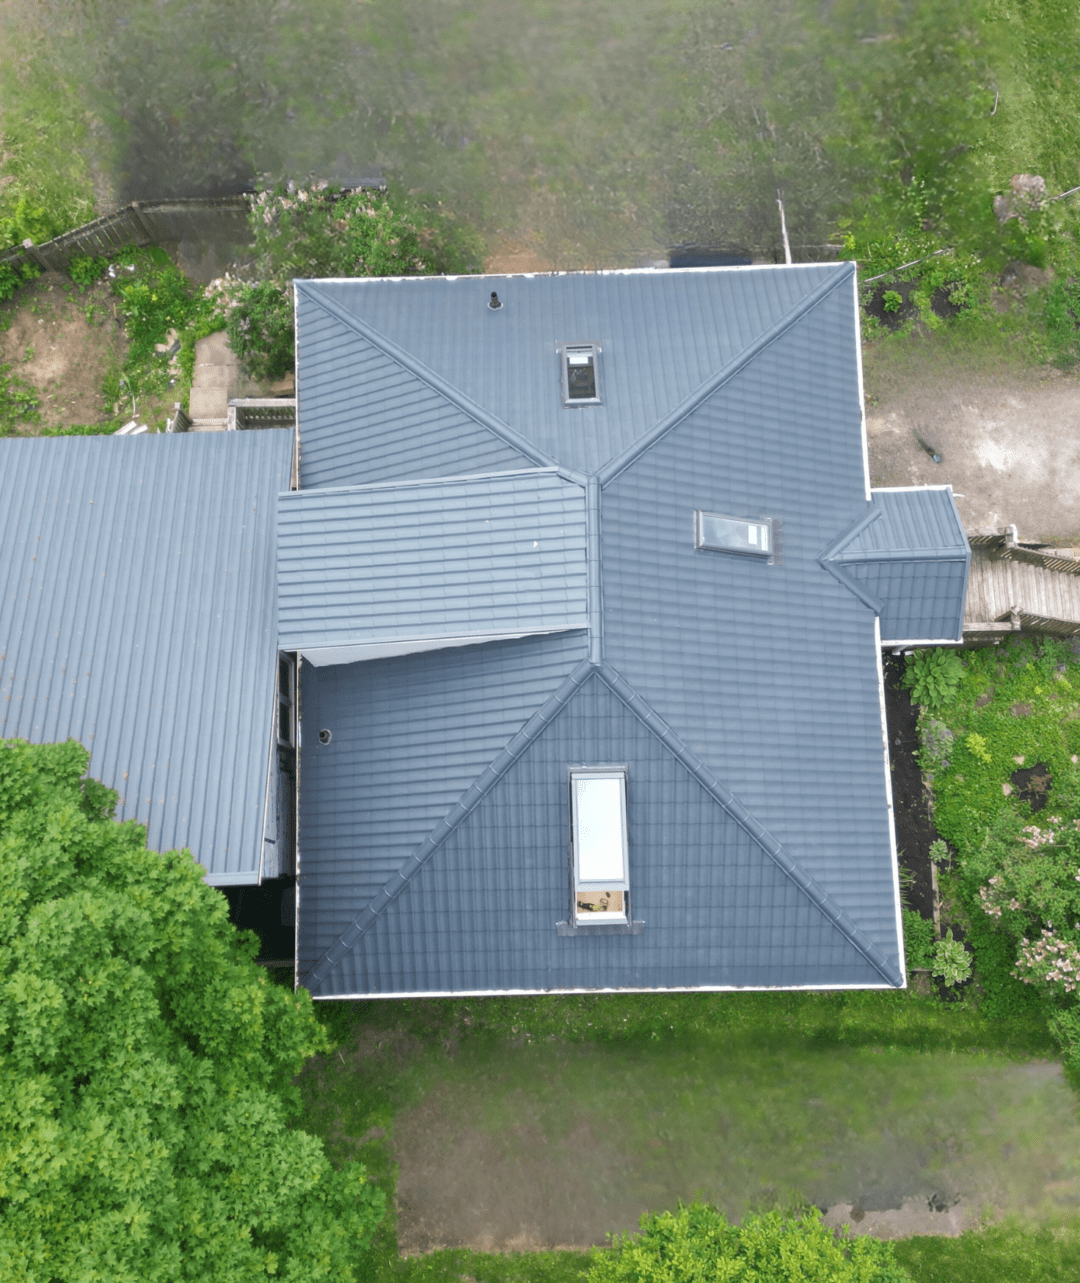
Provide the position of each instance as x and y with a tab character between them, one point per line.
465	805
817	895
807	303
831	561
426	375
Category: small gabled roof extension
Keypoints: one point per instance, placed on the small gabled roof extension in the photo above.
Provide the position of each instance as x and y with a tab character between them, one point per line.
908	559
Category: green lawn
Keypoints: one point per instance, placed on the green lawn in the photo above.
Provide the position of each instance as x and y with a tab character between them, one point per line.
582	1112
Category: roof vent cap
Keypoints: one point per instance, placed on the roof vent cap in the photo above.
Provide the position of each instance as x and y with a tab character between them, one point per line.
495	303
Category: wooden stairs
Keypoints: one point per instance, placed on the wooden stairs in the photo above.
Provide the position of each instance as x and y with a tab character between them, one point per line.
1015	587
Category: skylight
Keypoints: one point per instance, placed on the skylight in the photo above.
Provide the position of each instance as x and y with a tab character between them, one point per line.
750	537
598	816
580	373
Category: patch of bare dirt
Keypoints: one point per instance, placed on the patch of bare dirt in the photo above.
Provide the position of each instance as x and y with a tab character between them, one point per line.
63	342
517	1191
1008	437
512	255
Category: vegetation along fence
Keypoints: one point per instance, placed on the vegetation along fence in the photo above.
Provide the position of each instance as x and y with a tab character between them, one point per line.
141	223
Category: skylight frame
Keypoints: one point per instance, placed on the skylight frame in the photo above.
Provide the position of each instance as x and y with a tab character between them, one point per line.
760	543
599	883
593	349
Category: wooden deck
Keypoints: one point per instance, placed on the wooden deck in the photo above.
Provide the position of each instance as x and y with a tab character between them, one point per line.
1012	588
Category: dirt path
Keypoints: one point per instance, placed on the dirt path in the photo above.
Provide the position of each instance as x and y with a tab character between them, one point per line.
1009	438
550	1145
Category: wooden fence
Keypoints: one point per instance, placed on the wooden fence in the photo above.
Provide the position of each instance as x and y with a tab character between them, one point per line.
141	223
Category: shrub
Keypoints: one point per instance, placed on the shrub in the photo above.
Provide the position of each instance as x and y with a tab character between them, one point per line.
11	278
918	940
146	1062
18	401
697	1245
933	676
85	270
260	330
155	296
891	301
318	231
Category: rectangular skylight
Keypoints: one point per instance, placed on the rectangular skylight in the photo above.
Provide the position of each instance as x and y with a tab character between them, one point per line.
747	536
580	376
598	817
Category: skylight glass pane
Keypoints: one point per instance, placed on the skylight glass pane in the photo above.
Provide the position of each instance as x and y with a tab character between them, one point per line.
729	534
598	821
580	376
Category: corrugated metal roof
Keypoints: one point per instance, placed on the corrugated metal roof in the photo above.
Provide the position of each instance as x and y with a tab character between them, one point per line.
662	333
137	616
768	672
390	566
763	679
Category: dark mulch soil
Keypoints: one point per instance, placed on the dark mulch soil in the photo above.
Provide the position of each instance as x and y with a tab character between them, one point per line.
914	826
874	303
1032	784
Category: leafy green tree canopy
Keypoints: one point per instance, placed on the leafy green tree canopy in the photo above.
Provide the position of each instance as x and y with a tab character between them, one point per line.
697	1245
146	1062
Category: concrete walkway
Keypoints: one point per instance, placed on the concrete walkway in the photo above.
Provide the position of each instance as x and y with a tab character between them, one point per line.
218	378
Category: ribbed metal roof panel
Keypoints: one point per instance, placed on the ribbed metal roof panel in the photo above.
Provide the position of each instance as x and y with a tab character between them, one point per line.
768	672
497	554
363	418
662	334
409	736
921	520
137	616
482	913
923	600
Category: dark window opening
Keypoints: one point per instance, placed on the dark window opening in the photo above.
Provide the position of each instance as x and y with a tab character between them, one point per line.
286	702
580	377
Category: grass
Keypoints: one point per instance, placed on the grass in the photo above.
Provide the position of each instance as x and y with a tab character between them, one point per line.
1010	1252
680	1068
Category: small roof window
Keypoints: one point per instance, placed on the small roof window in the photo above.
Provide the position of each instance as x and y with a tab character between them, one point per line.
580	365
747	536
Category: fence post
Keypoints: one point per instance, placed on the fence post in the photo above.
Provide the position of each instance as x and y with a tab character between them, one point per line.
30	248
142	222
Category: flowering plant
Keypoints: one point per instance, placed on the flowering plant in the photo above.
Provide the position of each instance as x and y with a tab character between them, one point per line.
1051	959
320	231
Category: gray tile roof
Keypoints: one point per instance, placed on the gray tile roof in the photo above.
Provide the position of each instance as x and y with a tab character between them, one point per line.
377	570
908	559
137	616
743	697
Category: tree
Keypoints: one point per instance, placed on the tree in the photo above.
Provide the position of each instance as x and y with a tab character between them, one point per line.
146	1062
697	1245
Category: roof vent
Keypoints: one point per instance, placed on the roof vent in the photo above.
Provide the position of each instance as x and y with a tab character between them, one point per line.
325	737
495	304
